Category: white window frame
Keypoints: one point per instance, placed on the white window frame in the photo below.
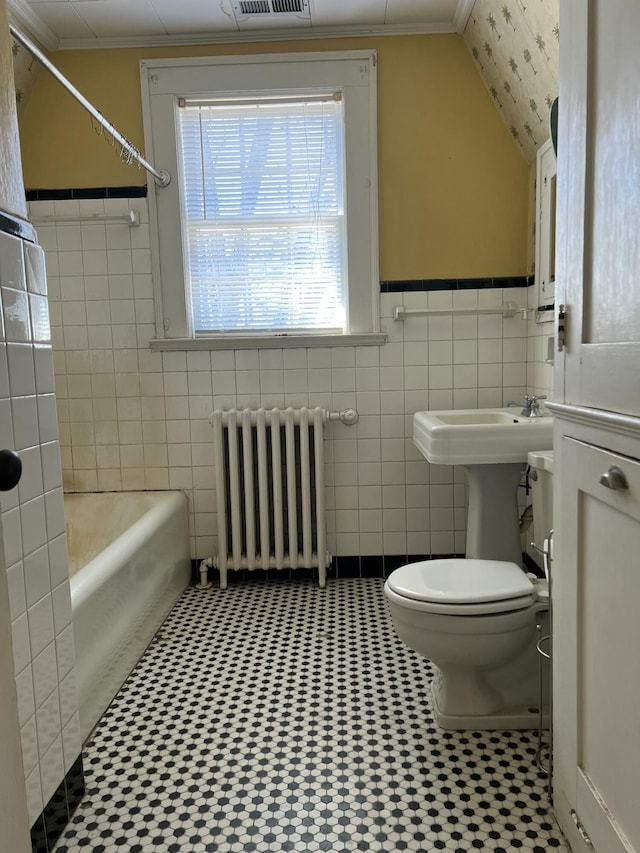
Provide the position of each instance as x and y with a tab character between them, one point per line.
165	81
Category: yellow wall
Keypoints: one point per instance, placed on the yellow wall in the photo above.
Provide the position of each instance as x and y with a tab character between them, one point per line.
452	185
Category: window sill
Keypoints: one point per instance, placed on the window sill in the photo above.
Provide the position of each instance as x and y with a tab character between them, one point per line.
267	342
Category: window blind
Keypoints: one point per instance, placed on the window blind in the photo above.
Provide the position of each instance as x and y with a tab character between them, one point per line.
263	214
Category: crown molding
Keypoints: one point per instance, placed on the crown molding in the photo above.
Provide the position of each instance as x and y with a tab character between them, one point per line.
463	12
297	34
23	15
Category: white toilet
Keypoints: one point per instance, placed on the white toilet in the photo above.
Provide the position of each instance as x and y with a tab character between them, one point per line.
476	620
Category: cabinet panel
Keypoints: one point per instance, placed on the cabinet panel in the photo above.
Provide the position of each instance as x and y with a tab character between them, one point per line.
597	667
599	204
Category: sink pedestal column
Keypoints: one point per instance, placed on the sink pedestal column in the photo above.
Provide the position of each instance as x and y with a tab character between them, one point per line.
493	520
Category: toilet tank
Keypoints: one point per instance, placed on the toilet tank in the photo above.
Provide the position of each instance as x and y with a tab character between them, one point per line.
541	462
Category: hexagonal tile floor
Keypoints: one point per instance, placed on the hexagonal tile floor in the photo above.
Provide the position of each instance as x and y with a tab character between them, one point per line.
281	717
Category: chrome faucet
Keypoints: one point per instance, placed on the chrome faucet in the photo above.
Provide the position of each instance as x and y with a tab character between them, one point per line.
530	406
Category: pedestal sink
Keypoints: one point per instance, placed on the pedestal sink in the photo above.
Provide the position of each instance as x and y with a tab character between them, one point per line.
491	445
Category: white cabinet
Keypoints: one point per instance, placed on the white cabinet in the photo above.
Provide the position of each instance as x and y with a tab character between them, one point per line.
596	590
596	568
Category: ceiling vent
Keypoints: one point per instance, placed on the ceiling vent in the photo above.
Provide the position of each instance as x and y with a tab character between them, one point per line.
276	9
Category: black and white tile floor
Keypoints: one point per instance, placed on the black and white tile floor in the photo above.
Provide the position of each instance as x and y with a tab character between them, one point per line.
281	717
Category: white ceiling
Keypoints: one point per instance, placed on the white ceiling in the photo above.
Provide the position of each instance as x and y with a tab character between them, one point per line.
63	24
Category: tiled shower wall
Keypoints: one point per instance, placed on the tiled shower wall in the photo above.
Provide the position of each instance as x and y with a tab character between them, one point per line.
33	530
131	418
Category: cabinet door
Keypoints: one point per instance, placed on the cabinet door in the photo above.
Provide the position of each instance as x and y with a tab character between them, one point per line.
596	645
598	235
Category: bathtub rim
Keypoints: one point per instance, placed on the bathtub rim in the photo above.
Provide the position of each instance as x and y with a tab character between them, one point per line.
88	579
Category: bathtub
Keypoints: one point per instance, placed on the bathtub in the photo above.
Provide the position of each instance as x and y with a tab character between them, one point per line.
128	565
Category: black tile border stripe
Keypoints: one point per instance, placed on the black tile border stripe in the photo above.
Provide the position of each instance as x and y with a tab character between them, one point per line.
17	227
433	284
341	567
86	192
55	816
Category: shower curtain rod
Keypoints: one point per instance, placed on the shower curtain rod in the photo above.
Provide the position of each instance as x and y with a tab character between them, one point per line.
161	176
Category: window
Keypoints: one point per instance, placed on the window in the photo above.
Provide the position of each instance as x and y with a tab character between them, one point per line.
268	228
262	214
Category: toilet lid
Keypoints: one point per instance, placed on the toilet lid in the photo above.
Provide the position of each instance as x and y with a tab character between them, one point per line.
460	581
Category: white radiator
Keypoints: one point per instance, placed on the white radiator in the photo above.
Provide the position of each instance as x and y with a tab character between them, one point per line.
269	469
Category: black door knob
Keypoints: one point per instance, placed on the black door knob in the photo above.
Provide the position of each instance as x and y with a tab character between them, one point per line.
10	470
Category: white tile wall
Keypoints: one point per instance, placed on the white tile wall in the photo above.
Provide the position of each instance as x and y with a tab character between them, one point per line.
32	518
539	366
135	419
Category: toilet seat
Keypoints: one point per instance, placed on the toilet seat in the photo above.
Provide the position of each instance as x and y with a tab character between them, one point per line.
462	587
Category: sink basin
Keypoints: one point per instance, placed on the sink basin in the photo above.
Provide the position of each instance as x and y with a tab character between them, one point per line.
480	436
476	417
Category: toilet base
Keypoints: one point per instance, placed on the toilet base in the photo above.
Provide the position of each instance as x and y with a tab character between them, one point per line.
517	717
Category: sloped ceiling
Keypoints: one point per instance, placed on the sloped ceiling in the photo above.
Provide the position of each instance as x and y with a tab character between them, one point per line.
515	47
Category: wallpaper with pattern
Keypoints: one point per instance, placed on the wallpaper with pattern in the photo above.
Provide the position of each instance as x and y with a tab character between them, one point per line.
25	71
515	47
